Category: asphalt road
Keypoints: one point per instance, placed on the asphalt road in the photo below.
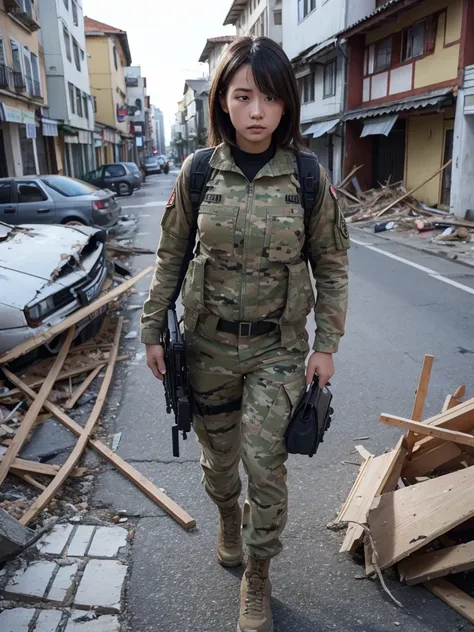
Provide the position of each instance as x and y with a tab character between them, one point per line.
397	314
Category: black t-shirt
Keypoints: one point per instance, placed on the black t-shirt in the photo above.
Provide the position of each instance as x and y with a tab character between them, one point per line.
250	164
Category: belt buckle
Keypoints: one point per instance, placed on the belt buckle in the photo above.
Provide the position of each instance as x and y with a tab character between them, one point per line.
245	329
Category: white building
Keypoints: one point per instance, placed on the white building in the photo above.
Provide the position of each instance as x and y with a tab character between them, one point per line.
213	50
67	78
309	39
136	101
196	107
257	17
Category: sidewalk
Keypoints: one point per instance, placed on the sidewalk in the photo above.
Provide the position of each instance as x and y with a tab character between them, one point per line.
459	252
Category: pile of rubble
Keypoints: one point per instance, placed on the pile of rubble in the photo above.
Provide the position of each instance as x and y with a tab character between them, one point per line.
413	506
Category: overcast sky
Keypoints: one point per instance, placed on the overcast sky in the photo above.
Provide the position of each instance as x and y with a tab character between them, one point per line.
166	39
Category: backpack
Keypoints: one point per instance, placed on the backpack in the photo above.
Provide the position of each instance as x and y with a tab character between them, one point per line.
308	175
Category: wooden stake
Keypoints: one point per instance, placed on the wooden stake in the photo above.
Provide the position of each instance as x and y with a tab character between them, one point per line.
80	446
146	486
35	408
402	197
420	397
73	319
71	402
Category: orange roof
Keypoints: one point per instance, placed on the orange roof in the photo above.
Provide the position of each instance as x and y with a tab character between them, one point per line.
91	26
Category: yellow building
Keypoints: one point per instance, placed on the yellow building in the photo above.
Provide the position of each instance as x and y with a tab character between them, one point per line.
27	144
109	54
405	69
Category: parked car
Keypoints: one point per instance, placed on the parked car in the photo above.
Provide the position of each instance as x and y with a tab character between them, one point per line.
56	200
151	165
46	274
164	164
122	177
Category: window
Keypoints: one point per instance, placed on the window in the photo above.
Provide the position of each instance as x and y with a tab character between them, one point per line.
75	16
77	59
78	102
305	7
3	58
66	4
94	103
307	88
68	186
330	72
30	192
16	56
28	70
36	75
71	98
383	54
67	43
5	193
277	18
85	104
114	171
414	41
83	55
115	58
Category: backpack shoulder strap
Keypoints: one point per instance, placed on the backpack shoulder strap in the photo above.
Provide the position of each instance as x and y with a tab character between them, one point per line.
199	177
308	177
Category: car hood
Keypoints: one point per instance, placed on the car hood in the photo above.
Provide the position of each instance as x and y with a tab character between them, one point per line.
50	247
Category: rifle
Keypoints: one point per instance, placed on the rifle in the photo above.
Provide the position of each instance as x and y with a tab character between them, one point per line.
177	391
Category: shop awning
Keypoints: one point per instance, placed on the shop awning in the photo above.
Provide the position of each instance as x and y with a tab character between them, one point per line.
316	130
430	99
50	127
382	125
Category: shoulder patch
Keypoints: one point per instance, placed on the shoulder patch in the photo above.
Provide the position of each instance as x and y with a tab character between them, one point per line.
172	199
332	189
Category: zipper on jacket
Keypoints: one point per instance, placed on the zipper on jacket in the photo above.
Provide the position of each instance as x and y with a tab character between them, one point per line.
243	289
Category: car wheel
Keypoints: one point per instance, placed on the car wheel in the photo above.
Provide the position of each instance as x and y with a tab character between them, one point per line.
166	170
74	222
124	189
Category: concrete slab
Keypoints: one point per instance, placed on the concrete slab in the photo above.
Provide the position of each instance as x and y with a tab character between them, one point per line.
48	440
33	580
80	540
108	541
53	543
48	621
62	583
105	623
101	585
16	619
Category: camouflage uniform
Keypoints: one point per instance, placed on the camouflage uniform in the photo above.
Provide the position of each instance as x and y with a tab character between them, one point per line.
249	268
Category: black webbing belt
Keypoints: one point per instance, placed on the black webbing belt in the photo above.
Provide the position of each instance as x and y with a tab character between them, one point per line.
228	407
246	329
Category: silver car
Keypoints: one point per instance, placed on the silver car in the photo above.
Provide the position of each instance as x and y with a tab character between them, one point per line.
56	200
46	274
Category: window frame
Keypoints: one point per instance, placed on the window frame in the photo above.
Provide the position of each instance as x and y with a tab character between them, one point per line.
76	54
21	183
67	42
78	101
278	13
66	4
332	63
378	68
72	97
405	56
18	47
305	8
115	54
36	75
308	88
85	105
75	12
3	50
27	66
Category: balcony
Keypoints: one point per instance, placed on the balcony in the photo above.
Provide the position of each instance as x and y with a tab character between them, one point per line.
23	11
36	92
19	82
6	77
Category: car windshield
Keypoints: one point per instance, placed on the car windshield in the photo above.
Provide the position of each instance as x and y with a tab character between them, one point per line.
151	161
69	187
132	166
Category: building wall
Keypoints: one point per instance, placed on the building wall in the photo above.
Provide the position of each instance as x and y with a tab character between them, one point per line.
324	107
119	90
101	78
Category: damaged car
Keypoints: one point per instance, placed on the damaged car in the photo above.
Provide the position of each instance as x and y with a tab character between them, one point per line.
46	274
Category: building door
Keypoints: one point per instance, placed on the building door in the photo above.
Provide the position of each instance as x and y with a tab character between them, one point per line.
447	173
41	152
27	152
389	155
77	161
3	158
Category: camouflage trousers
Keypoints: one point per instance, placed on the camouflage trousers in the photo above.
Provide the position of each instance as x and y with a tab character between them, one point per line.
269	380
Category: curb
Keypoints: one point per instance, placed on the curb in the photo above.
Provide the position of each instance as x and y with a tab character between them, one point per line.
435	253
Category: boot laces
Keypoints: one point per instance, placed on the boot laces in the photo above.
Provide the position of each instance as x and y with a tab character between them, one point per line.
255	594
230	526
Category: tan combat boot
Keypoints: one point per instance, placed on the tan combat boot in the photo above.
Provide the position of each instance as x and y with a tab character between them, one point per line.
229	539
255	593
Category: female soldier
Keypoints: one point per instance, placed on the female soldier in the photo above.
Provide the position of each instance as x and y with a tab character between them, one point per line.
246	296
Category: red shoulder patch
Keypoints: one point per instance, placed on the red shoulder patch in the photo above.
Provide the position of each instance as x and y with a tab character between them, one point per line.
333	192
172	198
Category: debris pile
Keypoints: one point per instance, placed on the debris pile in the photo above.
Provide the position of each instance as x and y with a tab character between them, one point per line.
51	388
414	506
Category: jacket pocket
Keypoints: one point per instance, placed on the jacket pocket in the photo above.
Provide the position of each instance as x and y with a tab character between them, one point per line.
285	233
193	286
279	415
216	223
300	296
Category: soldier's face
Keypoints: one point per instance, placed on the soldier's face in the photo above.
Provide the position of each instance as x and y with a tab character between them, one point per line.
254	115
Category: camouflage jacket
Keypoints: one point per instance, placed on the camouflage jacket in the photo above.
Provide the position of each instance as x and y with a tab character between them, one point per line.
249	266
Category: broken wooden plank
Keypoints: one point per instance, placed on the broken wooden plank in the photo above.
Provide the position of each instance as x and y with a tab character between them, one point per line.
364	453
132	474
422	568
450	402
405	195
420	397
354	488
427	462
73	319
349	176
348	195
430	431
35	408
453	596
460	392
403	521
29	479
71	402
80	446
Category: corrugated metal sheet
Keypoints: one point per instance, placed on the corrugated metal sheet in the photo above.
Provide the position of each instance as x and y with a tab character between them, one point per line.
316	130
382	125
371	15
411	103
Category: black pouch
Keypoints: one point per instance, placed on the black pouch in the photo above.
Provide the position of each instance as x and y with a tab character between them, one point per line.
310	420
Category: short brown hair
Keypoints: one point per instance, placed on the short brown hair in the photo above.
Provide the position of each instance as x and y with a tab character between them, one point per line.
273	76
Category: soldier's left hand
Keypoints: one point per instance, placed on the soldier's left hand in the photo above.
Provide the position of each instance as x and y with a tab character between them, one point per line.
322	365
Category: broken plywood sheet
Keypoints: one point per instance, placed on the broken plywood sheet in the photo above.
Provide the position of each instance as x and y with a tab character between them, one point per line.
453	596
435	564
403	521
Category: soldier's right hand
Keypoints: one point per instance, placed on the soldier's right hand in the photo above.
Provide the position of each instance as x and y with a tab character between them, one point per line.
155	359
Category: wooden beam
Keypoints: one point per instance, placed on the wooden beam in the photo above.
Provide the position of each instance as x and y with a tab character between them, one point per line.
453	596
349	177
427	462
421	568
29	479
402	197
81	444
349	195
73	319
430	431
422	389
71	402
133	475
35	408
450	402
403	521
460	392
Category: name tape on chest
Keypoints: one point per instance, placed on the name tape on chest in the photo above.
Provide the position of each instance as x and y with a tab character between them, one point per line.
292	199
213	198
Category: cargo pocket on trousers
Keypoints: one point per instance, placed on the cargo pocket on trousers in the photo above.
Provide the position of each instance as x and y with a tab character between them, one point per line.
220	434
193	291
279	415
